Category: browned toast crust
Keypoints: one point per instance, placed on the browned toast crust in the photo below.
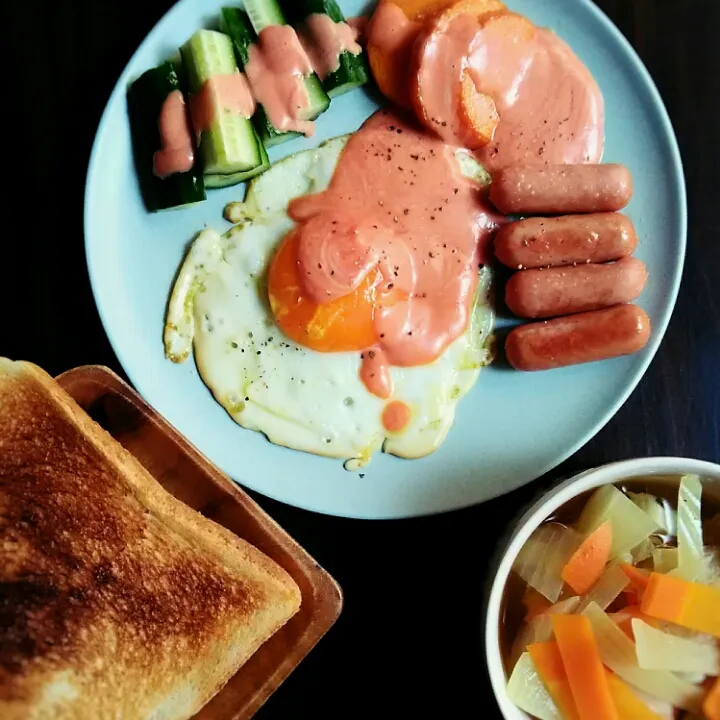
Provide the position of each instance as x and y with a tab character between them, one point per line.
116	599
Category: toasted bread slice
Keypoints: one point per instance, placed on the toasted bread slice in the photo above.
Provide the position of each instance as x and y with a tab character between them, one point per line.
116	599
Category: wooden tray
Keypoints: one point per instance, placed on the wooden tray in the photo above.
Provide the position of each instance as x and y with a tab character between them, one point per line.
189	476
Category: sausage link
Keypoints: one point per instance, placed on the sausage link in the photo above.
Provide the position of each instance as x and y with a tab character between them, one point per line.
561	189
550	292
565	240
575	339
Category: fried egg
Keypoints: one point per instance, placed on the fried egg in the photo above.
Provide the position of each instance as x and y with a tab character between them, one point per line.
298	397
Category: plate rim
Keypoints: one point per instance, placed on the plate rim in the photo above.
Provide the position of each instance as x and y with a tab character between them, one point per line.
659	327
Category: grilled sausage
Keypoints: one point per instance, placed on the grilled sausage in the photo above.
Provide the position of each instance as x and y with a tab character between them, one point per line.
551	292
561	189
582	338
565	240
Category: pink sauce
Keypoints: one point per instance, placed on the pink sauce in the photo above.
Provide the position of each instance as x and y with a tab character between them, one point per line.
325	41
555	115
276	70
176	150
396	416
445	58
550	107
390	28
221	92
394	36
360	25
397	202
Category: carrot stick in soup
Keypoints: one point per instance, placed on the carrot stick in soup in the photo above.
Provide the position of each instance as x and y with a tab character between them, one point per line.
588	562
628	704
549	664
711	705
689	604
585	672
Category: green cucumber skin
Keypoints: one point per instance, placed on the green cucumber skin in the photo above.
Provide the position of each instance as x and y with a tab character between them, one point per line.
263	13
298	10
220	180
268	134
196	62
319	99
146	96
353	70
236	24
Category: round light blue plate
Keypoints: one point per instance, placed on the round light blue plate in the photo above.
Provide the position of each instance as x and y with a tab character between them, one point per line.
512	427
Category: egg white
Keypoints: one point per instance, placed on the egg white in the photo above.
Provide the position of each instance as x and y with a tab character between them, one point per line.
297	397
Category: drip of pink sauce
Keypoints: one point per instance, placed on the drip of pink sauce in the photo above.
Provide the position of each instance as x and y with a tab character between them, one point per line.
396	416
276	70
229	93
398	202
325	41
375	373
176	150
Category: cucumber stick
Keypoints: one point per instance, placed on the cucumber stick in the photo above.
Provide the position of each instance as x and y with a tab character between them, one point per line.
263	13
236	25
352	71
145	101
231	144
225	180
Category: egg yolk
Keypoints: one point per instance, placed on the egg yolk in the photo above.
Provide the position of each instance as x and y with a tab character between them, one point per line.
341	325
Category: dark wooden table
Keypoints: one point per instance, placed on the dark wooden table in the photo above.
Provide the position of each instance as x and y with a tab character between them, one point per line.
409	641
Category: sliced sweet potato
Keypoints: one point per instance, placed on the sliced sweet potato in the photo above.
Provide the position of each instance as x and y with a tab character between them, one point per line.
426	9
393	30
422	9
478	115
511	27
478	8
391	36
464	115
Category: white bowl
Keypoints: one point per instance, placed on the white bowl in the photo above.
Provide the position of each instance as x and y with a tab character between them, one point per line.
545	506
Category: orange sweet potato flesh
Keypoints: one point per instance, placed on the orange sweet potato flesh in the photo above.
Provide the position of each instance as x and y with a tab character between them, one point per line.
390	40
389	53
426	9
478	8
422	9
478	114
